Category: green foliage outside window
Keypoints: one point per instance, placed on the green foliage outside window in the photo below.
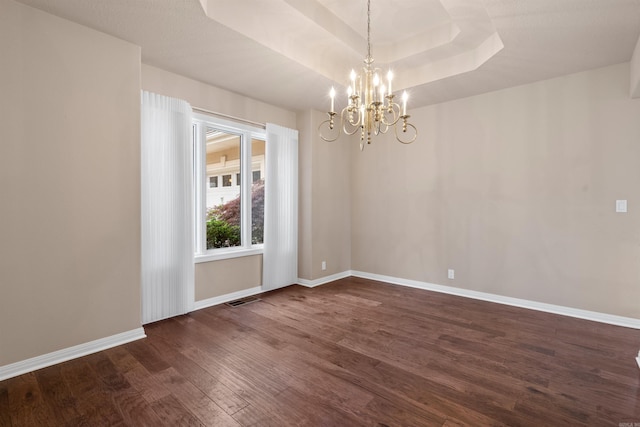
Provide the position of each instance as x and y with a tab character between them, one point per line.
223	221
221	234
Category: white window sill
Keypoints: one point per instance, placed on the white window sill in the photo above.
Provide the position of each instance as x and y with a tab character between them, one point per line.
220	254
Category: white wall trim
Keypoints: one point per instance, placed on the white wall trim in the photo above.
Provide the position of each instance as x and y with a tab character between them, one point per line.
39	362
627	322
323	280
227	297
227	253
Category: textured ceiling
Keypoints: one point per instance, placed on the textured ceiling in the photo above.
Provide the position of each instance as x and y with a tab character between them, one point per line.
289	52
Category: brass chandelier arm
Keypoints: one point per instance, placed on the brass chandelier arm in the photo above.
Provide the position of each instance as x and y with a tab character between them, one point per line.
344	121
330	125
392	109
350	132
406	126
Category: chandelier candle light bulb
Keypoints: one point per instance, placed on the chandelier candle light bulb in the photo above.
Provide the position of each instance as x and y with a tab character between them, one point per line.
353	79
370	106
332	94
405	96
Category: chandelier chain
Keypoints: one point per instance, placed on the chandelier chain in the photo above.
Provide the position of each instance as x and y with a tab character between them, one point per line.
369	29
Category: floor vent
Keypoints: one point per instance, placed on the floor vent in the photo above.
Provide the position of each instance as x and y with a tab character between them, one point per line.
243	301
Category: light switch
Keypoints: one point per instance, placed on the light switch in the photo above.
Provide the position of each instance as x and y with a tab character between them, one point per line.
621	206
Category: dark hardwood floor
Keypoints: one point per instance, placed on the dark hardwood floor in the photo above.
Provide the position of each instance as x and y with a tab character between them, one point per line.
353	352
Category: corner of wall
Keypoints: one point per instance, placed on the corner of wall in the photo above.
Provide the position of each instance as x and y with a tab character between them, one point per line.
304	123
635	72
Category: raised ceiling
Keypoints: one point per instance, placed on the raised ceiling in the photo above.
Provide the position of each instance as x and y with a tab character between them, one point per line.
427	40
289	52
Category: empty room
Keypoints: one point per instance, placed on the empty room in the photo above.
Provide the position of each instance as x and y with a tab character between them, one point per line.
320	213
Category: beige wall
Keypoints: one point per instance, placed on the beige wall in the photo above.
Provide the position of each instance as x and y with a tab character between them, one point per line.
214	99
70	193
216	278
223	277
515	190
305	181
324	199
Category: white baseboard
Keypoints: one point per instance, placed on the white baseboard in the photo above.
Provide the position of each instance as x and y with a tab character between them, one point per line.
227	297
39	362
627	322
323	280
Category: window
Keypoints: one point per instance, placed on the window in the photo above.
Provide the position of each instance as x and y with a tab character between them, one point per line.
230	216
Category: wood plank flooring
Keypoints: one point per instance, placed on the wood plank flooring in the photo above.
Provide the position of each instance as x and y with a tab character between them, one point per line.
350	353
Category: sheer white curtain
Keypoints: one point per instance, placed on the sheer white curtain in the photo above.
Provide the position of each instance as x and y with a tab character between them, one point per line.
280	256
167	208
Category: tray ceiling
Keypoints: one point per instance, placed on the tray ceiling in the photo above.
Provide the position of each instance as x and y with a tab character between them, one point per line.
289	52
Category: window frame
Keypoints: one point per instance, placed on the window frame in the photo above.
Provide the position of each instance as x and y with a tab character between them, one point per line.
247	133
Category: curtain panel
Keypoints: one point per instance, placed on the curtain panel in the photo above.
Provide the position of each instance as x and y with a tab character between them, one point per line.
280	256
167	208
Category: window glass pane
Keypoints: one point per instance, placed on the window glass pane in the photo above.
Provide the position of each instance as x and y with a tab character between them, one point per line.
223	203
237	179
257	191
213	181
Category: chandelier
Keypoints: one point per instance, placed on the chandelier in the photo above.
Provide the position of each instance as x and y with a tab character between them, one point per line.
371	107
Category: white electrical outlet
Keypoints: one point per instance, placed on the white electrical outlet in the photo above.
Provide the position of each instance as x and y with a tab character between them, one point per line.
451	274
324	265
621	206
